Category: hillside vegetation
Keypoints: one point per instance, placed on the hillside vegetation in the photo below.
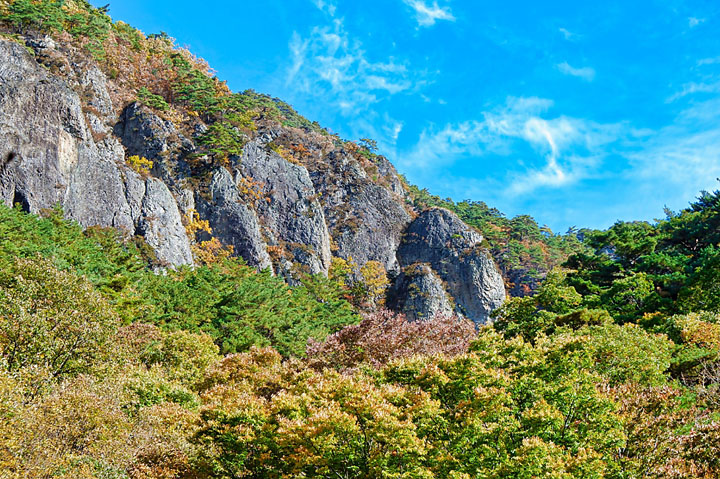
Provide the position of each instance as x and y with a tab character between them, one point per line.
524	251
109	370
114	366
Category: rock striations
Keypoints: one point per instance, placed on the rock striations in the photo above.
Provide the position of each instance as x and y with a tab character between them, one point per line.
63	142
452	255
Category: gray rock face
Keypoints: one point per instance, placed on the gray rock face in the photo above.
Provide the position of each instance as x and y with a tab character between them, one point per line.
232	222
453	250
366	221
144	134
161	225
288	208
55	160
389	175
419	293
99	192
95	84
41	130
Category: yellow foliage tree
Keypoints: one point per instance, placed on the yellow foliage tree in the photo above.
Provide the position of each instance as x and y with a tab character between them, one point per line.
374	282
211	251
140	164
341	270
206	252
194	225
364	286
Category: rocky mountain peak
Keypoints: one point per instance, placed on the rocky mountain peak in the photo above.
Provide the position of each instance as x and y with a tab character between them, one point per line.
286	198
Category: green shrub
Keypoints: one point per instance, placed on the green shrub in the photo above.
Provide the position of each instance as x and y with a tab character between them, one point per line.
236	306
50	319
157	102
223	140
25	15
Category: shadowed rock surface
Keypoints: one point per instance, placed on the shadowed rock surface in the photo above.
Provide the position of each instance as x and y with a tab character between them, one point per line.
232	222
419	293
288	206
454	251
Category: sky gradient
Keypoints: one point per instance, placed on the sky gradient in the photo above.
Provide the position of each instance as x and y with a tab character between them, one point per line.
577	113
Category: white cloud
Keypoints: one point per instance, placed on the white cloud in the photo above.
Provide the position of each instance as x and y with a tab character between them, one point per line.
683	157
426	15
567	148
392	128
329	64
586	73
327	6
567	33
694	22
551	153
695	87
708	61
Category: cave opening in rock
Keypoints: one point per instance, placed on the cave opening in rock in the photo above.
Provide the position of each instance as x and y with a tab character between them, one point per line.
20	199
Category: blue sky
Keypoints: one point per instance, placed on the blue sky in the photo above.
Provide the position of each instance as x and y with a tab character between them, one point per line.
578	113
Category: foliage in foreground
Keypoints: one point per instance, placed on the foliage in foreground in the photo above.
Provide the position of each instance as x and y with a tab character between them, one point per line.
89	389
237	306
586	401
110	370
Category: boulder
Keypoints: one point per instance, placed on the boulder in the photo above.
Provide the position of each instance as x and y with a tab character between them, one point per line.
455	253
419	293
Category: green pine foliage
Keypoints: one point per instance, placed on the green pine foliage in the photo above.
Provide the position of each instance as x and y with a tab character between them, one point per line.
193	88
241	308
157	102
24	15
76	17
223	140
638	268
237	306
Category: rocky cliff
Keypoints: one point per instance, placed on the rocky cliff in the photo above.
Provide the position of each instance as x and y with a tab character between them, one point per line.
290	200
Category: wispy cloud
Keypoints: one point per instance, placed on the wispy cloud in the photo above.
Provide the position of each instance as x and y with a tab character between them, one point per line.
330	64
684	156
566	147
567	34
428	14
694	22
327	6
586	73
708	61
558	155
392	128
695	87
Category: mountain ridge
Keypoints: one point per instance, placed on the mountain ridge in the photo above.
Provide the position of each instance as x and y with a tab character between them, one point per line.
280	197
